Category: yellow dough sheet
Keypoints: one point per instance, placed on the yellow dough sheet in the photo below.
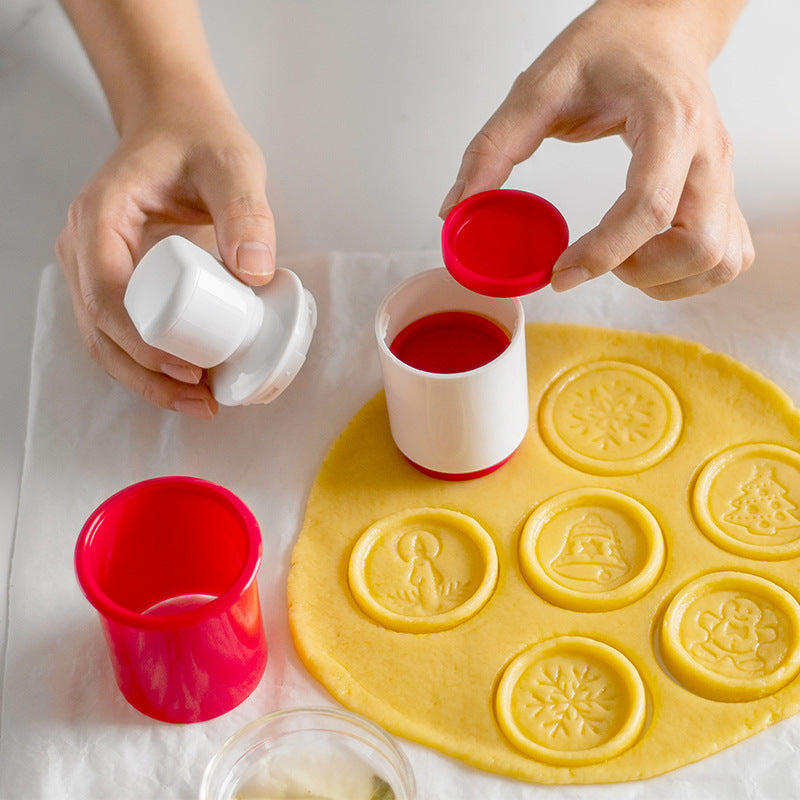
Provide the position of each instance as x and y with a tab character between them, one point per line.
618	600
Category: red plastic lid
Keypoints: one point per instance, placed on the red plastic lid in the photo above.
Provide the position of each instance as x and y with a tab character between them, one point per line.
504	242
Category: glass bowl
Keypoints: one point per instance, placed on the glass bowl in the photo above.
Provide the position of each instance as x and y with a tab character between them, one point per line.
311	753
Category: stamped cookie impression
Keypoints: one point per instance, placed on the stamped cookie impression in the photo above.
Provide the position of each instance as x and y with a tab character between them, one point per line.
421	570
732	636
591	550
648	611
610	418
571	701
747	501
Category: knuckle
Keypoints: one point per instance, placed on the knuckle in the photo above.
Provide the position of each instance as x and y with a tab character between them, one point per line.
662	293
140	352
94	211
748	255
489	141
83	209
707	250
689	114
95	345
481	144
69	234
62	248
613	253
231	158
246	206
93	307
526	87
682	112
150	391
74	213
724	272
725	147
487	145
546	78
532	90
657	207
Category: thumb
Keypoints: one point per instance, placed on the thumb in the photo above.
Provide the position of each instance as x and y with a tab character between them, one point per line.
245	228
511	135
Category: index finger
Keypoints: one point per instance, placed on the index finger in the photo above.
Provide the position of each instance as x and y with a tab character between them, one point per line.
656	176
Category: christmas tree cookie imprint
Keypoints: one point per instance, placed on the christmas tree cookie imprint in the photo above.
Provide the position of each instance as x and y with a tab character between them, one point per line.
571	701
747	501
591	550
610	418
424	569
732	636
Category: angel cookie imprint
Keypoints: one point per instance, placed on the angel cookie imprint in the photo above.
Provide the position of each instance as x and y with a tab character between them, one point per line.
571	700
423	569
610	418
732	636
591	550
747	501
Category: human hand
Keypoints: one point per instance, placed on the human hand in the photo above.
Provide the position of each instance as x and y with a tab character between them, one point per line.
185	168
639	70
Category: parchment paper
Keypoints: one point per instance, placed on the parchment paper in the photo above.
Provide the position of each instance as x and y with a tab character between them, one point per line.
66	730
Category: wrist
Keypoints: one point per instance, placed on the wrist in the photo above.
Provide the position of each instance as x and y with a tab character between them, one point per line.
148	54
177	94
707	23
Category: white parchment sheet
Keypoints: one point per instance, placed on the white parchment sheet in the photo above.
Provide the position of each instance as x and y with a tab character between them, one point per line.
66	730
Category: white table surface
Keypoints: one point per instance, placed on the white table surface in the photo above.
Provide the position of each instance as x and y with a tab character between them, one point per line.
363	108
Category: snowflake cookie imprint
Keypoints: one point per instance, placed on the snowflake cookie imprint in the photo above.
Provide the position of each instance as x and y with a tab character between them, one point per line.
571	701
610	418
423	569
747	501
732	636
591	550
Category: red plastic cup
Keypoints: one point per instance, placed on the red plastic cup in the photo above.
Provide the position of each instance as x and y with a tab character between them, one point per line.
170	565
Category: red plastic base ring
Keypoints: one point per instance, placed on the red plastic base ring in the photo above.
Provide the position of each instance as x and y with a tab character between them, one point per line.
458	476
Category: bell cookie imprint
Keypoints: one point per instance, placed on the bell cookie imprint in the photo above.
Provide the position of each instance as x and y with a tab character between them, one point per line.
591	550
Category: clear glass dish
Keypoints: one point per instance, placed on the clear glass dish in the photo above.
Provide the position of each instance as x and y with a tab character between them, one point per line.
310	753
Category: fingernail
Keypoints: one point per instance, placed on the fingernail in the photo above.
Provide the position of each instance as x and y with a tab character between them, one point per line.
255	258
199	409
182	373
569	278
453	196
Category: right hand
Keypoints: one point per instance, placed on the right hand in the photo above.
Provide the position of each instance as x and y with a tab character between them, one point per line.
190	169
639	70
